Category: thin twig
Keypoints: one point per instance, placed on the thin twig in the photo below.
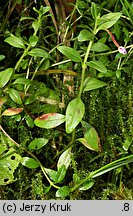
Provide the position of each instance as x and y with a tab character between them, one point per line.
32	155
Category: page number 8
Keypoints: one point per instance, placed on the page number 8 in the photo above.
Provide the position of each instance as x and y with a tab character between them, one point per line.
126	207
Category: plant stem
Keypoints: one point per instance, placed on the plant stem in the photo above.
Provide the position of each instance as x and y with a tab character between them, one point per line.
84	67
22	56
68	146
85	59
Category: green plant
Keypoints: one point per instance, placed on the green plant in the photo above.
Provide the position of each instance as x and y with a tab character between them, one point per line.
19	90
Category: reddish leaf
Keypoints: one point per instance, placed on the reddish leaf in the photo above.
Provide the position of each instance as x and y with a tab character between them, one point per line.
12	111
2	101
49	120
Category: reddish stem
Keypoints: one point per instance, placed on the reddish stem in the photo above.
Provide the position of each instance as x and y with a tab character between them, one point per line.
113	38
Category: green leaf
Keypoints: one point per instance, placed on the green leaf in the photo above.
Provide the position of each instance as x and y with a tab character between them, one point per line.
49	120
70	53
108	20
2	57
2	100
33	40
45	65
14	95
15	42
56	176
30	99
23	81
5	76
94	11
29	121
109	73
36	25
99	47
24	63
74	114
64	159
76	178
46	189
98	65
12	111
92	83
91	139
85	35
42	10
8	163
51	173
60	174
2	149
29	163
37	143
127	143
37	52
89	144
87	185
26	18
84	142
118	73
63	192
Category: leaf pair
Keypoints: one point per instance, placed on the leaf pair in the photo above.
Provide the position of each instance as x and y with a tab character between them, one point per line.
91	139
108	20
62	166
18	42
36	144
74	114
